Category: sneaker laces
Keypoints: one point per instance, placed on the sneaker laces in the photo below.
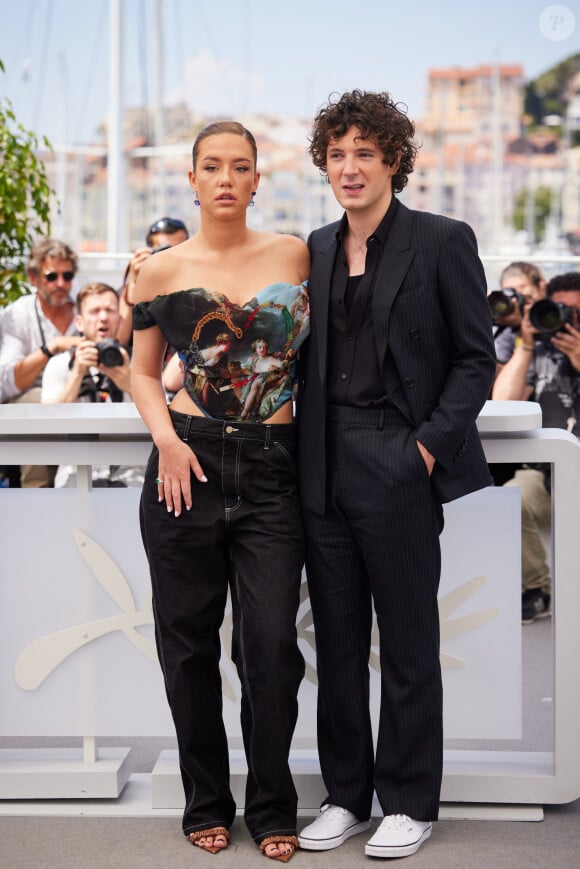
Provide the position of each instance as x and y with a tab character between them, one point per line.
397	822
331	811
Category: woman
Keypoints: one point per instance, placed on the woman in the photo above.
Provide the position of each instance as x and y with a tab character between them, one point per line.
219	506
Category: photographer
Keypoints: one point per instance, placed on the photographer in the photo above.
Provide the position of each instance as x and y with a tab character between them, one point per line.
98	369
165	232
544	367
34	328
81	374
520	283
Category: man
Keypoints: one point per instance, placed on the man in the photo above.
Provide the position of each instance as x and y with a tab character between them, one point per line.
165	232
35	328
400	363
98	369
527	281
544	368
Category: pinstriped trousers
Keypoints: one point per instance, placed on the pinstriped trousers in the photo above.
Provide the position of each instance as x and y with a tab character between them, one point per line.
377	543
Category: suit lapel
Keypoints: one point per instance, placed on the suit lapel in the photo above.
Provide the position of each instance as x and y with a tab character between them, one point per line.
323	250
393	267
395	262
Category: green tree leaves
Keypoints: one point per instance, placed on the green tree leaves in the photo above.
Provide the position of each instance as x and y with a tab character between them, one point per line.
25	198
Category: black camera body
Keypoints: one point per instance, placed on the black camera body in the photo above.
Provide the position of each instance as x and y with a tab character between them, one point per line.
549	317
505	302
109	352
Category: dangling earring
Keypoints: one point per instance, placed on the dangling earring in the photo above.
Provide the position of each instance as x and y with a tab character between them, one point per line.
195	199
251	203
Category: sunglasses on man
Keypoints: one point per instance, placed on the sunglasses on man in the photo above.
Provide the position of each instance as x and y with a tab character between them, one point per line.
52	276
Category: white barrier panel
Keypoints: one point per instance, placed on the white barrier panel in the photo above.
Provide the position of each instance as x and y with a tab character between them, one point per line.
77	652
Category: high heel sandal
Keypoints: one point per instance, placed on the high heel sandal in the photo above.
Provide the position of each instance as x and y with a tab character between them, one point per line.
275	840
216	833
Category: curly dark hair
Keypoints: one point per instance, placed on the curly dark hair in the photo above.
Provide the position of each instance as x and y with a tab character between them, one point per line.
569	281
378	118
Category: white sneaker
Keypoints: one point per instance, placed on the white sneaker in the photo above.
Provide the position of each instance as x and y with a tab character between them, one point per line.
332	828
398	836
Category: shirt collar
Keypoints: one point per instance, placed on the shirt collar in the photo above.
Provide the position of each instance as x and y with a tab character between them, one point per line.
381	232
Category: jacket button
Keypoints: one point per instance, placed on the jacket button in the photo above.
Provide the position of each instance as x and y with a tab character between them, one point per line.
413	333
409	381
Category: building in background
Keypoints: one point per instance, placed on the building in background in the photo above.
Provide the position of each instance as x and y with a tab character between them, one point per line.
478	159
478	162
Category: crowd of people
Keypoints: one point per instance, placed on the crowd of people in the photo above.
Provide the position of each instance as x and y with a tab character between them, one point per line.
380	330
62	346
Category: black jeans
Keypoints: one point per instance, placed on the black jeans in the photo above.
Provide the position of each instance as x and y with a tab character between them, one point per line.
244	531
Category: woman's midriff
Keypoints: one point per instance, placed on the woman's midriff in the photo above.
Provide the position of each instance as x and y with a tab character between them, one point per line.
182	403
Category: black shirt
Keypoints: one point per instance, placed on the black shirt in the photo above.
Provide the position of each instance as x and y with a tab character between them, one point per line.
354	374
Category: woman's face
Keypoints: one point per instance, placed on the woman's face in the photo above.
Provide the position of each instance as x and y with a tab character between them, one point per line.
261	348
225	174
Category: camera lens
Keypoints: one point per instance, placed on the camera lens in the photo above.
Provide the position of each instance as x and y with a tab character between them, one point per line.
109	353
548	316
501	305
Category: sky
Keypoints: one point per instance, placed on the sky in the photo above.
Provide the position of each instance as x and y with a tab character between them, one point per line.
234	58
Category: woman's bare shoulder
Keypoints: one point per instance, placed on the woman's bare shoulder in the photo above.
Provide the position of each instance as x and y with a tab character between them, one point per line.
162	273
288	249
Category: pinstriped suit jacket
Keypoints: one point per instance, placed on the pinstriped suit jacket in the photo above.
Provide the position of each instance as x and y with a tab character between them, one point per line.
431	315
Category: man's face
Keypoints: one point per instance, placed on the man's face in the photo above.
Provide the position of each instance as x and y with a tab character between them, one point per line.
166	239
54	282
359	178
570	298
523	285
99	317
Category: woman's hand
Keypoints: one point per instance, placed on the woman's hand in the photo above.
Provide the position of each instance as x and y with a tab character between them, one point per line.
176	462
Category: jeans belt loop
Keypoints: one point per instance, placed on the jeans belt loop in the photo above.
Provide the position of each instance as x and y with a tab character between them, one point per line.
186	430
381	423
267	438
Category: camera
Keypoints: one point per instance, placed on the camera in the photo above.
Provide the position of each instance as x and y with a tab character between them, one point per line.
109	352
505	302
549	317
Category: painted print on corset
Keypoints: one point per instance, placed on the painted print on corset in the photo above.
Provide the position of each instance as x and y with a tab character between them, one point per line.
239	361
